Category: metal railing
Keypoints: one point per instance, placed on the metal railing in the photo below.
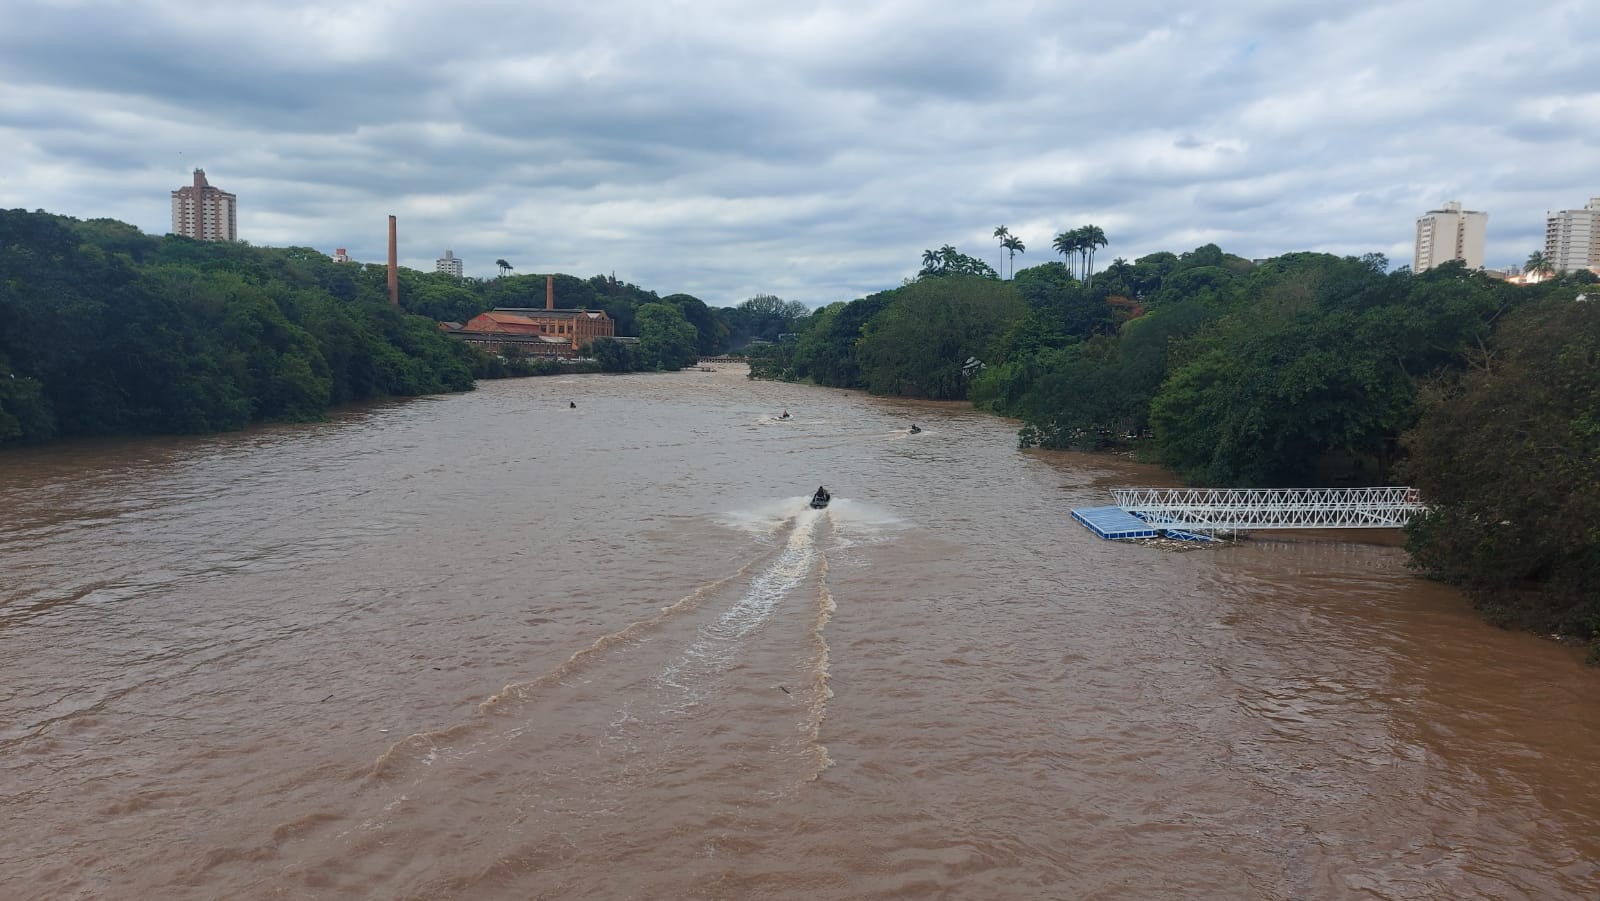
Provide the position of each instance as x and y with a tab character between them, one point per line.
1241	509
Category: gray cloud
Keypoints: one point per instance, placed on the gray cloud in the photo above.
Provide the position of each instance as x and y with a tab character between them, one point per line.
811	149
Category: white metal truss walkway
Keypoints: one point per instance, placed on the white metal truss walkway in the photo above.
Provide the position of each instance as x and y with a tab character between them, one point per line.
1245	509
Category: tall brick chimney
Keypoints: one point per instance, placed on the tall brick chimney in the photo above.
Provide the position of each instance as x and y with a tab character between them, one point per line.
549	292
394	264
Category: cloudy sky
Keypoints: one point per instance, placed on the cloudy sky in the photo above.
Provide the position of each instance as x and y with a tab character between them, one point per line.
811	150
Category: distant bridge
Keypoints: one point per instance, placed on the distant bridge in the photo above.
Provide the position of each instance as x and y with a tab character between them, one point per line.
1203	510
723	360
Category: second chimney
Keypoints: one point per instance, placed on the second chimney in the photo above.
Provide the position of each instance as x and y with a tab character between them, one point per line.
549	292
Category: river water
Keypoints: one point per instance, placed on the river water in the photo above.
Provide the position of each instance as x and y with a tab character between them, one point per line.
491	646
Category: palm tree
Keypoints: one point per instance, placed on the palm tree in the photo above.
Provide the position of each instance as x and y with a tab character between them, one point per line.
1002	233
1014	245
1093	236
930	260
504	267
1539	263
1075	244
1066	244
1121	270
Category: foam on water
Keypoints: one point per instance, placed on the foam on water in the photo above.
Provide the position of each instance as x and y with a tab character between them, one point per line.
719	641
820	691
904	434
464	739
853	521
766	517
858	522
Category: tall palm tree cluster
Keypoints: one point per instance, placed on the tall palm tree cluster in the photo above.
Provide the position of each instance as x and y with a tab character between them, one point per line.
1077	246
1011	244
1081	243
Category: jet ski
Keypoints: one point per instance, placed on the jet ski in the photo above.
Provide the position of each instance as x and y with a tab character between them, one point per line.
820	499
914	430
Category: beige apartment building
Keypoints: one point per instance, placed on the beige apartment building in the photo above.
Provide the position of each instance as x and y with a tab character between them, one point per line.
1572	238
205	213
1450	234
449	264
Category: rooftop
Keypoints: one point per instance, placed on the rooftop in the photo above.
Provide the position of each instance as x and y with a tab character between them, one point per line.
535	312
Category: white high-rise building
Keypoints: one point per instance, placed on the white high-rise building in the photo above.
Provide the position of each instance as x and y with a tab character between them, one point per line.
448	263
1450	234
204	212
1572	238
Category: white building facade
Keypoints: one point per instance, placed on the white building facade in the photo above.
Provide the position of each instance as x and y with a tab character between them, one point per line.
1572	238
449	263
1450	234
205	213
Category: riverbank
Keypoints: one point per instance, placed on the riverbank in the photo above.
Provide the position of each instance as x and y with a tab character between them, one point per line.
516	369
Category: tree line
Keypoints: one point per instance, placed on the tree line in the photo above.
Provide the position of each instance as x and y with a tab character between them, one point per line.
107	330
674	331
1303	369
717	330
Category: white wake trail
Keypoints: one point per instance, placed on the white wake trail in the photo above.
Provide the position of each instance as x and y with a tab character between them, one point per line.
717	643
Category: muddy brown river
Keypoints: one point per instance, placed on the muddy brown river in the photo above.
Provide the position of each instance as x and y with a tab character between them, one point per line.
490	646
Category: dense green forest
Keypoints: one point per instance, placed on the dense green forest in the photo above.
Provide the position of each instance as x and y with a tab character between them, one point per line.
1303	369
106	330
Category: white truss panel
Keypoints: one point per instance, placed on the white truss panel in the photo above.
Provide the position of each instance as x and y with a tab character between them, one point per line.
1242	509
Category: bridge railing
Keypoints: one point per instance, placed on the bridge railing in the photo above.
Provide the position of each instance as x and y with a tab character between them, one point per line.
1214	509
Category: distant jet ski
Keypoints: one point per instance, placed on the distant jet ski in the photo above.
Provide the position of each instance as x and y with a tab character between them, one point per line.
914	430
820	499
785	415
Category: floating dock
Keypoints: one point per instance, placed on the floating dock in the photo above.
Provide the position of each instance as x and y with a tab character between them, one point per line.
1113	523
